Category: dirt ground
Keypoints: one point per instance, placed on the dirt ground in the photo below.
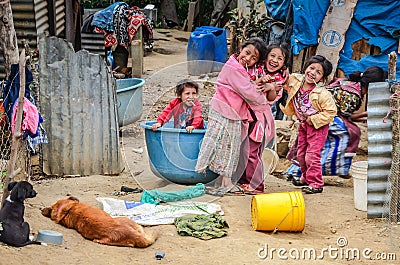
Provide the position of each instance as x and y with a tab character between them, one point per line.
331	218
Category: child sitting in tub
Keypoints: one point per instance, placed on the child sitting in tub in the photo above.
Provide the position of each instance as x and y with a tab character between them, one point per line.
185	108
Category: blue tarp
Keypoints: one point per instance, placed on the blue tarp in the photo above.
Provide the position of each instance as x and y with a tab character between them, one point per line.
277	9
307	20
376	21
379	23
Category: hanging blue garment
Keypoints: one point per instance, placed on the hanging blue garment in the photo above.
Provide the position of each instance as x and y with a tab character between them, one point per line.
379	23
307	20
277	9
103	19
11	88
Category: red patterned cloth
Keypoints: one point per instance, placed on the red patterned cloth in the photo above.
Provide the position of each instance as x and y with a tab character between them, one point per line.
109	39
136	19
126	24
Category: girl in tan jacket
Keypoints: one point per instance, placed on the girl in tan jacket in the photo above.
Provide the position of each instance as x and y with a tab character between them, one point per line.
315	108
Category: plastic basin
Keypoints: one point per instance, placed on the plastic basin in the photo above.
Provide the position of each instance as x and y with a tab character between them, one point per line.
173	153
129	100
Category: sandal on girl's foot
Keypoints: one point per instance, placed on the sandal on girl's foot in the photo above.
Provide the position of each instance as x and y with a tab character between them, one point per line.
215	191
311	190
250	191
297	182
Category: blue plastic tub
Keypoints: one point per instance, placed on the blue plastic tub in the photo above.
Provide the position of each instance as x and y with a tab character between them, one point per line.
130	100
200	53
173	153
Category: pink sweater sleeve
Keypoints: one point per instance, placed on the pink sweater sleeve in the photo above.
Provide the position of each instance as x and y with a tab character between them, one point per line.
30	119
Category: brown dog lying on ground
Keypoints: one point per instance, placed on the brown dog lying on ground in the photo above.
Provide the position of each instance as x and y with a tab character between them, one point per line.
97	225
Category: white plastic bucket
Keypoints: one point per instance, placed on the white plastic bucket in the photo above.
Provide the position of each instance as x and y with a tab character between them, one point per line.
359	172
270	160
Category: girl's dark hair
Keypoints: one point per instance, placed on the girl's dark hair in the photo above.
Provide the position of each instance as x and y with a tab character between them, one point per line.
370	75
325	63
259	44
185	82
284	47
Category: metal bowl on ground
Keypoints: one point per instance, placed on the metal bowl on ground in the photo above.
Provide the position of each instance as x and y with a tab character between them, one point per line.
49	237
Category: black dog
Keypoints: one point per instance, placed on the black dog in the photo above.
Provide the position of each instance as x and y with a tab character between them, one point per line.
14	230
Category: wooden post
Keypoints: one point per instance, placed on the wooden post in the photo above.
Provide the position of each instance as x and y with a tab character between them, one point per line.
190	19
11	172
136	52
193	12
8	40
392	66
52	18
69	21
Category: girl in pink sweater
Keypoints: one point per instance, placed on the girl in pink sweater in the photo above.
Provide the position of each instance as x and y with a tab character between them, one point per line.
229	115
262	129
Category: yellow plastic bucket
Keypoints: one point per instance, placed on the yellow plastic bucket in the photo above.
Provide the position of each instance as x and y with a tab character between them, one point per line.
282	211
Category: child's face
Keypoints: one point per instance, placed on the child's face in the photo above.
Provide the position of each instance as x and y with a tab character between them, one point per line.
275	60
314	72
248	55
188	96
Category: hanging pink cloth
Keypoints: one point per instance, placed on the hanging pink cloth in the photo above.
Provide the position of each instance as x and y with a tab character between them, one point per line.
30	118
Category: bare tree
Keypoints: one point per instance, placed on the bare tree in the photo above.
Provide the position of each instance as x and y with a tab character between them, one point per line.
8	37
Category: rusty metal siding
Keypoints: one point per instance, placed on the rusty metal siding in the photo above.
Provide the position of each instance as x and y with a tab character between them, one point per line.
78	102
379	147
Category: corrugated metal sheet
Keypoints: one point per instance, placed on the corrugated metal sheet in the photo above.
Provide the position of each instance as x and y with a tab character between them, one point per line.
31	17
24	24
24	21
379	147
78	102
92	42
60	17
41	16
